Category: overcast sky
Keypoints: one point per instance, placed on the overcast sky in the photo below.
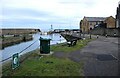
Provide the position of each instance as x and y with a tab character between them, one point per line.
60	13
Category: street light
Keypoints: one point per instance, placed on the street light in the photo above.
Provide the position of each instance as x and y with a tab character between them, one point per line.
80	32
90	32
83	32
51	27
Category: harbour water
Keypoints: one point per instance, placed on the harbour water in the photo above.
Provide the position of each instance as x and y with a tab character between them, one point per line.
9	51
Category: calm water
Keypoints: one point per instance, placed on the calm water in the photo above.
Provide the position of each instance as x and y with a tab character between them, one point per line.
9	51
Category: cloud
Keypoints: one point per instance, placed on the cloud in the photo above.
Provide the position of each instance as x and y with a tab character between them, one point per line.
24	12
64	13
17	14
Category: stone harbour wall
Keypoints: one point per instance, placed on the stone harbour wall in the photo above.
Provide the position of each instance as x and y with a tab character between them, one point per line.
109	31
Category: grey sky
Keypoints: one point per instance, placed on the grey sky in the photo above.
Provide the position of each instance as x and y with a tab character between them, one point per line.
59	13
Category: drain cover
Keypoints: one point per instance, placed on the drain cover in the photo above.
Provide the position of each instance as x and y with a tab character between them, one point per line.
105	57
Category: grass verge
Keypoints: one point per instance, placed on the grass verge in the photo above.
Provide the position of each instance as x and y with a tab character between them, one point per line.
46	66
34	65
64	47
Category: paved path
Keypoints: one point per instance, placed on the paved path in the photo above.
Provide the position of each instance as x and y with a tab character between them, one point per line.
100	57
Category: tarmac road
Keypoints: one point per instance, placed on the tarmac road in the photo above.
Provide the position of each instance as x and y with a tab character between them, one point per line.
100	57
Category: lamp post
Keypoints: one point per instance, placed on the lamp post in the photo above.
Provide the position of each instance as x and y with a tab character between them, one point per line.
51	27
51	31
83	32
90	35
90	32
80	32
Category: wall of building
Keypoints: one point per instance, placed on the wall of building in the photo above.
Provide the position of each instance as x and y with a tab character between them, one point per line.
92	24
110	22
84	25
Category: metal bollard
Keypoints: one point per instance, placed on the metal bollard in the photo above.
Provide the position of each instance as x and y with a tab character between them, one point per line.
97	36
106	35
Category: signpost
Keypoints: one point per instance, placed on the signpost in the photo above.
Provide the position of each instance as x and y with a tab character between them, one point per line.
15	61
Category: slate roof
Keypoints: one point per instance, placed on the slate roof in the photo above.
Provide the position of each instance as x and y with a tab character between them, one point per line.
95	18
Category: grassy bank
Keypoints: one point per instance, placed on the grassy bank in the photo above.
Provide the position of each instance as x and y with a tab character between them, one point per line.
63	47
34	65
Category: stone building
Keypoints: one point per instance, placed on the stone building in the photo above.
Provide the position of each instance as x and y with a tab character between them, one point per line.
89	23
118	16
110	21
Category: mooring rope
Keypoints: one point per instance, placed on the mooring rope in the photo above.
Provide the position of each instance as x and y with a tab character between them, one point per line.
27	48
20	51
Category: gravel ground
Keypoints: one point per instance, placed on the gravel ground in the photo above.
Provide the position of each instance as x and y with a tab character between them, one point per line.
93	66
